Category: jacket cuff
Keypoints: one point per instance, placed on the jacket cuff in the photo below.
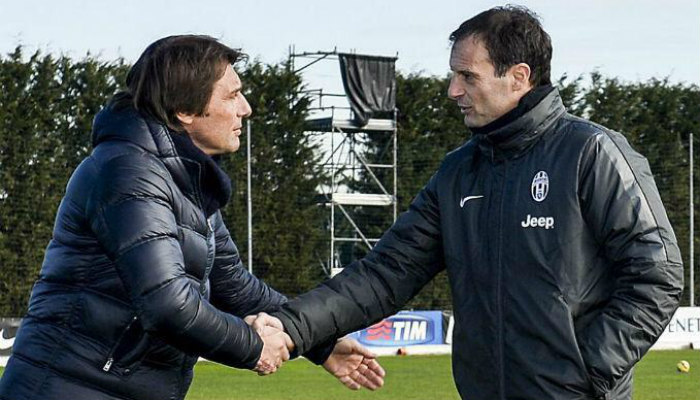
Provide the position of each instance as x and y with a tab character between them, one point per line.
319	354
257	349
292	331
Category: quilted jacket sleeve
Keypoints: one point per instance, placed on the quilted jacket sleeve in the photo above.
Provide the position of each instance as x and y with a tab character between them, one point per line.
131	213
621	204
236	291
233	289
407	257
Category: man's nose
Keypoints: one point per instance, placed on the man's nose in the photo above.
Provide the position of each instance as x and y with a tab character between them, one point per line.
245	110
454	90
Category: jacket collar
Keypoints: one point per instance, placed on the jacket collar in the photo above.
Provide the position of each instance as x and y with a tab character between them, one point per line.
514	138
196	174
215	185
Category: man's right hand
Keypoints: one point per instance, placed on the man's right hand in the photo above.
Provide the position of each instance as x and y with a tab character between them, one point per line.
263	320
276	345
353	365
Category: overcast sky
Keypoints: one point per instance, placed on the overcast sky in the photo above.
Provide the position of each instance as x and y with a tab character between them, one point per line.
632	40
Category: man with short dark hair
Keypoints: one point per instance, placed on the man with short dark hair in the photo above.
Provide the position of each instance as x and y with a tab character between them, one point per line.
141	277
563	266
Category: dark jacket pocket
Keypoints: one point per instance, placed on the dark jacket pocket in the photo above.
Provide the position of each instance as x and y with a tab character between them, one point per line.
129	350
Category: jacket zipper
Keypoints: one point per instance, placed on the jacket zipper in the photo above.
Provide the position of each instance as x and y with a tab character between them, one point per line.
110	356
499	290
210	257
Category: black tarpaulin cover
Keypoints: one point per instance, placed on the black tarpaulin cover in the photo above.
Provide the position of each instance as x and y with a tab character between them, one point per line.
370	84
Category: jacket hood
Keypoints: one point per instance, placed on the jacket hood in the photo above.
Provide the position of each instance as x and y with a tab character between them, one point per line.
197	174
127	124
515	138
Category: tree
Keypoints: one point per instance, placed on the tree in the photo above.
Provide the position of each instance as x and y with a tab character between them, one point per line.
46	110
47	105
285	174
657	118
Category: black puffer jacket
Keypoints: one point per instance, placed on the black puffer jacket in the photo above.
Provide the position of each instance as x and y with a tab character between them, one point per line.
563	266
137	281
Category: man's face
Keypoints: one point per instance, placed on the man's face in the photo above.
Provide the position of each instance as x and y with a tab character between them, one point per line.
217	131
480	94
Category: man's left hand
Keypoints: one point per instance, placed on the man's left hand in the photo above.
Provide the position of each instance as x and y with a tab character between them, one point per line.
355	366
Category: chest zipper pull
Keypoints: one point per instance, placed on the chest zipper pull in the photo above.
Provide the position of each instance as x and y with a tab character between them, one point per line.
108	364
211	229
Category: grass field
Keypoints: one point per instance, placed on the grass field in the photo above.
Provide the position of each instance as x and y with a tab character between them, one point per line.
416	377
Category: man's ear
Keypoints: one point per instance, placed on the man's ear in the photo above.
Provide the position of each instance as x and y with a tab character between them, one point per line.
521	77
185	119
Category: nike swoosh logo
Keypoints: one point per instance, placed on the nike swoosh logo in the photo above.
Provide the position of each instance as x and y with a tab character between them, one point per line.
466	199
5	343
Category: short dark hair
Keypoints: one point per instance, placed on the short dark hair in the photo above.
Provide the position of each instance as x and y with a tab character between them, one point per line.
176	74
512	35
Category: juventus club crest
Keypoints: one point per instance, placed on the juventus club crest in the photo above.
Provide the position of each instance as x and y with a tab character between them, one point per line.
540	186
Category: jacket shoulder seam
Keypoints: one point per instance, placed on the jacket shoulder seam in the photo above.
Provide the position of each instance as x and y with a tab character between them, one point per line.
138	243
641	189
155	199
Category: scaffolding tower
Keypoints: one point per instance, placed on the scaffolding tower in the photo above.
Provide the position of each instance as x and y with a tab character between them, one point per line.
343	141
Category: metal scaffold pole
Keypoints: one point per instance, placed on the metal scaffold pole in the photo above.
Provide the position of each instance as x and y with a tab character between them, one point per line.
362	158
395	161
250	204
692	229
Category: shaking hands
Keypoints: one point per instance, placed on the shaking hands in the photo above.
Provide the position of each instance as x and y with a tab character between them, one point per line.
276	348
351	363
